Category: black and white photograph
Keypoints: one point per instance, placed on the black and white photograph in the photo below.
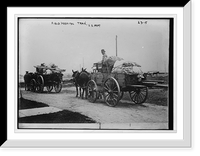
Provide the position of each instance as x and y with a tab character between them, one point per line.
100	77
99	73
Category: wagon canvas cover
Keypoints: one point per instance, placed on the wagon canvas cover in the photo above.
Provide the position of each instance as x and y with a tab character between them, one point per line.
54	69
127	67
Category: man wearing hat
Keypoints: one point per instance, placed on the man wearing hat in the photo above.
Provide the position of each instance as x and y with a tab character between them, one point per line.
104	58
104	62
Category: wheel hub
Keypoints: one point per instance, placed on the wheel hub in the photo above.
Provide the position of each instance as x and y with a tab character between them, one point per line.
110	91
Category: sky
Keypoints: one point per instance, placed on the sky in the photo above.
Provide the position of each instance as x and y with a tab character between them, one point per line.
75	43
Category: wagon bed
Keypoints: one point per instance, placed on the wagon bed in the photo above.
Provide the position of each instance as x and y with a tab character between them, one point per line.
41	79
111	86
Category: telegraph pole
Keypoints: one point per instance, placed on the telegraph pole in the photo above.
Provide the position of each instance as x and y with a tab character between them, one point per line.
83	62
116	45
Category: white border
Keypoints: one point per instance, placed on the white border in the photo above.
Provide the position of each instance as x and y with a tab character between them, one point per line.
180	138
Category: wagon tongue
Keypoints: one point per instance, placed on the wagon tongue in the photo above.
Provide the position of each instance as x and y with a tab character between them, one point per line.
149	84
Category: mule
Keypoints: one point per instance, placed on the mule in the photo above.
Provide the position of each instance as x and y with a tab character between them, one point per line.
27	80
80	80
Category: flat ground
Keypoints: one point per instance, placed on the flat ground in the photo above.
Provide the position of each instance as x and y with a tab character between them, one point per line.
125	115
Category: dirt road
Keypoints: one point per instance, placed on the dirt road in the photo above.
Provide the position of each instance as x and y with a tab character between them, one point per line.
125	114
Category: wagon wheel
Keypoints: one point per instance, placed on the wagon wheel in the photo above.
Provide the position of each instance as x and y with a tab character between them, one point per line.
49	88
139	94
57	87
92	91
33	85
111	92
40	83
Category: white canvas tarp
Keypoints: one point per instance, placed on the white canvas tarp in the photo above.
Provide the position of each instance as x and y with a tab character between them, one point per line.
127	67
110	61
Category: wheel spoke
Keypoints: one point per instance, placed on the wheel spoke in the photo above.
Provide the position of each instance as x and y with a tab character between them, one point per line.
132	94
116	95
115	92
136	98
139	98
115	88
113	101
107	95
143	94
106	86
115	98
106	89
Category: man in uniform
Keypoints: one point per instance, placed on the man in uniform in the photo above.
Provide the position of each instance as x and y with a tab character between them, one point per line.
104	57
104	62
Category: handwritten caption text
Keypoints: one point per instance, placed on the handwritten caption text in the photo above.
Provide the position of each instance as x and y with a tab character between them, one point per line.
76	23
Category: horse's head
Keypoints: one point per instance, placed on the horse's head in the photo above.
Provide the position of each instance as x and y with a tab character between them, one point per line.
84	71
75	75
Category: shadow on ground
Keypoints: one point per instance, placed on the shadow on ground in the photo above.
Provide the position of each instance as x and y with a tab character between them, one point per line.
63	116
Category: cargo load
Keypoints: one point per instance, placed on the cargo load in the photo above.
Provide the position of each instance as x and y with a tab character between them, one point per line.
126	67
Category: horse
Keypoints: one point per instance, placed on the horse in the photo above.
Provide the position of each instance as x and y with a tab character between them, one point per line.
27	80
80	80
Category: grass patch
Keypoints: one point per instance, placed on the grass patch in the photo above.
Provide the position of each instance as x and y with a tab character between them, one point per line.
64	116
28	104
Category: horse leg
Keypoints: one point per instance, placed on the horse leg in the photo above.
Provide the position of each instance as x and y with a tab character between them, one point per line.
76	91
86	92
26	86
83	93
80	91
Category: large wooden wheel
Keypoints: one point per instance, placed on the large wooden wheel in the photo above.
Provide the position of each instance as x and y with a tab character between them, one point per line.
40	83
92	91
57	87
139	94
111	91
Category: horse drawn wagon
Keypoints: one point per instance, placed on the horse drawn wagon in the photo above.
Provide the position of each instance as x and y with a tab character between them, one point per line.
110	83
45	77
